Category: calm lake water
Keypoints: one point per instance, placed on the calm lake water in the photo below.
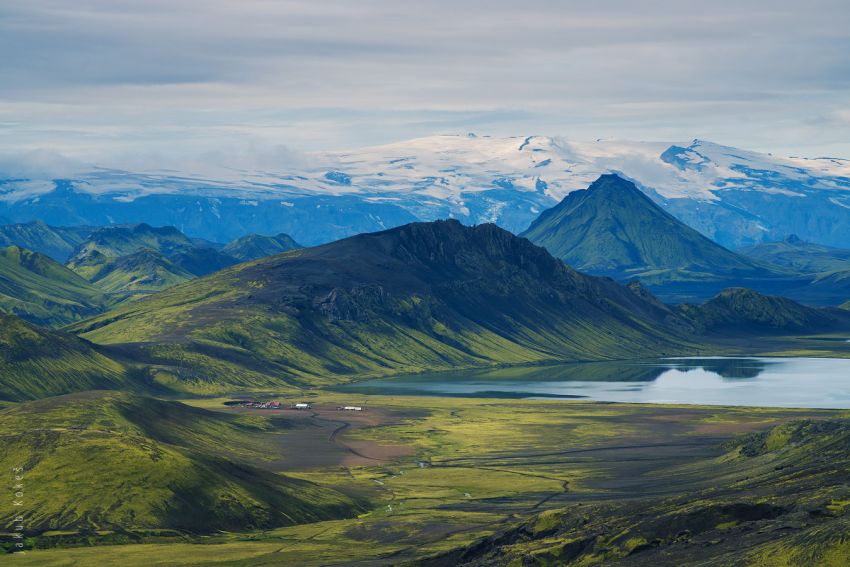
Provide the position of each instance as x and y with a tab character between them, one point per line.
776	382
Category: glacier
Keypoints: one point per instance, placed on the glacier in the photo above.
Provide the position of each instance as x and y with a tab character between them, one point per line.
735	196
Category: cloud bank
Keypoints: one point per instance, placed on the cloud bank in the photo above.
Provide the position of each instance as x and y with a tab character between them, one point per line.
119	79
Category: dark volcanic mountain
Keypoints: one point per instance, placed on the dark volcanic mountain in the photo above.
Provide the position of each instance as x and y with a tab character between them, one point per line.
744	311
613	229
422	296
255	246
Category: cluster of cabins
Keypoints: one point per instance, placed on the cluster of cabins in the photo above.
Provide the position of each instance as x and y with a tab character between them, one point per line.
271	404
276	405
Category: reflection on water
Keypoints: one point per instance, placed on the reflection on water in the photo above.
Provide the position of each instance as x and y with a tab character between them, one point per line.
782	382
731	368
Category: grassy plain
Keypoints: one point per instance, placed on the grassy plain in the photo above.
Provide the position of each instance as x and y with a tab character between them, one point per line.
442	473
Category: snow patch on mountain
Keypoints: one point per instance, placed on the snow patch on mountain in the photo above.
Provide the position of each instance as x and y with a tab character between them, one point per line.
445	166
478	179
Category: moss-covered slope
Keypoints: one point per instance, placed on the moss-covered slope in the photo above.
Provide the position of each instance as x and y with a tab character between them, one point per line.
255	246
136	260
613	229
779	498
40	290
35	363
423	296
56	242
113	461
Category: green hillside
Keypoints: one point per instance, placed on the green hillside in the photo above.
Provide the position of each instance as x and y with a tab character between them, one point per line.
255	246
423	296
141	272
744	311
613	229
115	241
43	291
35	363
113	461
804	257
56	242
131	261
778	498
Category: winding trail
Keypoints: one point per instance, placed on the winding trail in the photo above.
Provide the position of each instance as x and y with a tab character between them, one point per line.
334	438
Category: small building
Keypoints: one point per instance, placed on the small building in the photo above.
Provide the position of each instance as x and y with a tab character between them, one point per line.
302	405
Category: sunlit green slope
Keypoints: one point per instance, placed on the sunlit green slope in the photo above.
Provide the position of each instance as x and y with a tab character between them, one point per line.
36	363
423	296
113	461
41	290
254	246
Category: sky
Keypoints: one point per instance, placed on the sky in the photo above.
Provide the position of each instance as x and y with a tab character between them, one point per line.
148	82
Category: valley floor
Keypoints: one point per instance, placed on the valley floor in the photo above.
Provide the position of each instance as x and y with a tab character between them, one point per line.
442	473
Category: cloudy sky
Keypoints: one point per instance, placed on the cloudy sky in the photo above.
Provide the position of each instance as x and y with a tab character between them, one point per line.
131	81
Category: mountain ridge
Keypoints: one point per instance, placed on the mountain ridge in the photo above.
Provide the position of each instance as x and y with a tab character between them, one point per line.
405	299
734	196
140	259
740	311
614	229
797	254
55	242
255	246
43	291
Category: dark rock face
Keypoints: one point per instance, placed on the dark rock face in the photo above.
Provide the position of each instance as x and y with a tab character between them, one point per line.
355	304
741	311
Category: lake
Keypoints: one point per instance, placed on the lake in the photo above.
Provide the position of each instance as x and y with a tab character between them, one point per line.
750	381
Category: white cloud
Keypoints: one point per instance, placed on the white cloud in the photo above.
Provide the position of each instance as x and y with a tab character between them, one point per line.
99	78
38	164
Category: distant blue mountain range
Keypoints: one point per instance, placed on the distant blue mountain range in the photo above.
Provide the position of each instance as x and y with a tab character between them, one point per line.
736	197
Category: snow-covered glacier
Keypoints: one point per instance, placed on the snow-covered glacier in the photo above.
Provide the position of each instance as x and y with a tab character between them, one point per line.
735	196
